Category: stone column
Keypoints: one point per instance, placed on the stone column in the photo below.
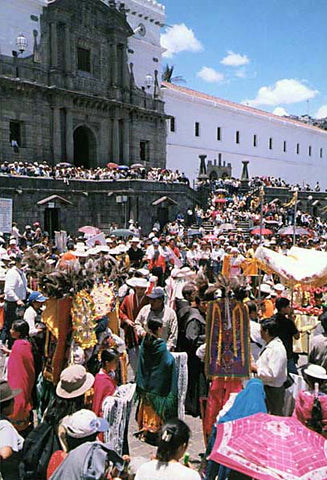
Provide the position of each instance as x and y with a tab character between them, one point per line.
126	158
54	45
114	66
67	50
115	140
56	135
69	137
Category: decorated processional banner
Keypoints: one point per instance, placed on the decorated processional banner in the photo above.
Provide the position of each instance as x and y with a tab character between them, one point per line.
228	339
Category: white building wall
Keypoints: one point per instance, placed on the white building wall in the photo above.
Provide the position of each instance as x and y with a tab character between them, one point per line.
183	147
15	18
145	52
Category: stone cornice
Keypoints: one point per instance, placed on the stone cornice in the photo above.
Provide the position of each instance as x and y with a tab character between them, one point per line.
79	98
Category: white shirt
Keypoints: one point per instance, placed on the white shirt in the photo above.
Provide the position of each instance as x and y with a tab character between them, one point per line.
172	470
30	317
9	437
272	364
15	285
256	339
169	323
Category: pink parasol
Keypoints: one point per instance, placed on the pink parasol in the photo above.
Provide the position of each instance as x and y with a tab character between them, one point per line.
210	237
112	165
290	231
267	447
88	230
264	231
220	200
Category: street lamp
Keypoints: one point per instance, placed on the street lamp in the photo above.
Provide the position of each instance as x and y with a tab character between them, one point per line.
148	80
21	44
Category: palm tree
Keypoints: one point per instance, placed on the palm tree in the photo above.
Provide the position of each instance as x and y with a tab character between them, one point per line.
167	75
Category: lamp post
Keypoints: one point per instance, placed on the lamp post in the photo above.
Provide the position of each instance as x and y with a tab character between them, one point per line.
21	44
148	80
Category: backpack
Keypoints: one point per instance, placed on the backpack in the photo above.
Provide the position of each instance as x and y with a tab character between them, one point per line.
38	447
89	461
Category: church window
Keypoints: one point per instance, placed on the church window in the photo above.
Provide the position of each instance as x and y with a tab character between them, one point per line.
172	124
237	137
270	144
218	134
321	153
284	146
197	129
15	132
254	140
297	148
144	150
83	59
310	150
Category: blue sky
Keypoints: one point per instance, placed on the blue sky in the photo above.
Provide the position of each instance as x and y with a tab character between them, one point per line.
270	54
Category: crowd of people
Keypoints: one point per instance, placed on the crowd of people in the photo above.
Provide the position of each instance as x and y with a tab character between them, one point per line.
66	171
56	378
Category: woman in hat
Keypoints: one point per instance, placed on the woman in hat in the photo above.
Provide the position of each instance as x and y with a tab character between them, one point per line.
311	406
21	374
156	383
74	383
11	443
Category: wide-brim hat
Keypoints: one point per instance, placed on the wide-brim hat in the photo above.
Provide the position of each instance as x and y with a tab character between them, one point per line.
6	392
315	371
265	288
74	382
137	282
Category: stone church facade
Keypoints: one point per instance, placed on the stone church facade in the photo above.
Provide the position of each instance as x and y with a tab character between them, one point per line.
75	99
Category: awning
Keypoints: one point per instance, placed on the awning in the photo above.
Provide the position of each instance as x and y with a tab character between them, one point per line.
54	198
164	199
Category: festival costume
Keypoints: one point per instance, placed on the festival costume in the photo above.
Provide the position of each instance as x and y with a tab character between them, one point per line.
21	375
156	385
129	309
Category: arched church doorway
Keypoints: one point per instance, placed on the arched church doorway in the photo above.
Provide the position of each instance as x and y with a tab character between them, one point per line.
213	175
84	147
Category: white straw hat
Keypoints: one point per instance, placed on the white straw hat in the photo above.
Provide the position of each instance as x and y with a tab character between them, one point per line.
316	371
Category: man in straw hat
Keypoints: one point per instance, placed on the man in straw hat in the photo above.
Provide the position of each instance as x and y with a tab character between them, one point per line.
129	310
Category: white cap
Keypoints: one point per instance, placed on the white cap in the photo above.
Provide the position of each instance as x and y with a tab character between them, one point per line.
84	423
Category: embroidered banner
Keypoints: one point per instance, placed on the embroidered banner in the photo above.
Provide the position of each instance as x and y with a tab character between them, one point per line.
228	339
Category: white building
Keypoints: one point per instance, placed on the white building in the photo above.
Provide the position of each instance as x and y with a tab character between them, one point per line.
230	132
146	17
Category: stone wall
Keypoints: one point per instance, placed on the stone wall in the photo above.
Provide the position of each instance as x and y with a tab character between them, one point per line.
94	202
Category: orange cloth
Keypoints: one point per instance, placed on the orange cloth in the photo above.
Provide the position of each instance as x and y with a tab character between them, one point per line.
268	308
250	267
147	418
226	265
